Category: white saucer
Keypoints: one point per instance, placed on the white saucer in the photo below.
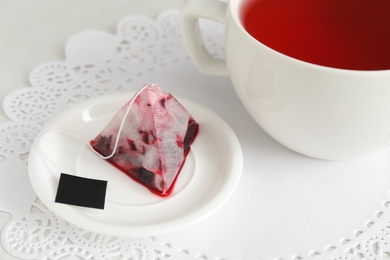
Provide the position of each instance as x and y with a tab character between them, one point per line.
208	178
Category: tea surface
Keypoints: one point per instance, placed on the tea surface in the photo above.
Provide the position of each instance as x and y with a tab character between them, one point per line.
347	34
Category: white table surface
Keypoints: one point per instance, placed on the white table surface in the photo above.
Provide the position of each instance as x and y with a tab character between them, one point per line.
34	32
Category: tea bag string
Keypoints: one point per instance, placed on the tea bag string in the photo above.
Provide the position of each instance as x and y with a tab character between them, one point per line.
122	123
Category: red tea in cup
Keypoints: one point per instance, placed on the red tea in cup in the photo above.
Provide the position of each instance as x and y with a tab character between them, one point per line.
319	111
346	34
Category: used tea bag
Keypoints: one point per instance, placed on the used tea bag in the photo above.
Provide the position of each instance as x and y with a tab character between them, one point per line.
148	138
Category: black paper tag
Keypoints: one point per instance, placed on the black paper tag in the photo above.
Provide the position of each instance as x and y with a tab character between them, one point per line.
80	191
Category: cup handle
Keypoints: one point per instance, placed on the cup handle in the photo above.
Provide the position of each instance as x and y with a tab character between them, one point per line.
191	11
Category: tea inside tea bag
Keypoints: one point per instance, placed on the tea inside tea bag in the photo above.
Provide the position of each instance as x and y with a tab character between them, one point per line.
148	138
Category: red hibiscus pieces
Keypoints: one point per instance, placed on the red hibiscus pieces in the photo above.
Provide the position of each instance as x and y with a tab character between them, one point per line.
148	138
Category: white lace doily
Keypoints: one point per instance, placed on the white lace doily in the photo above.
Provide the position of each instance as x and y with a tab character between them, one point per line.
287	206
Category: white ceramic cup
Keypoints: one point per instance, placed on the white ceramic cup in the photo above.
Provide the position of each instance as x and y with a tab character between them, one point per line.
321	112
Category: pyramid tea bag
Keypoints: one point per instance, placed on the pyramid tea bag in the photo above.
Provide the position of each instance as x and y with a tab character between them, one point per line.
148	138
